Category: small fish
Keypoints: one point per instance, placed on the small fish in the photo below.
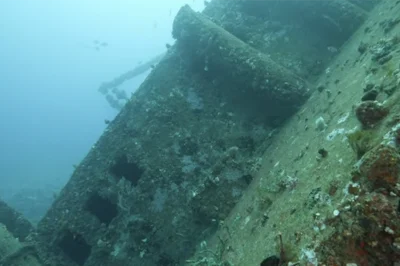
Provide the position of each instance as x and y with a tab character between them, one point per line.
104	44
332	22
332	49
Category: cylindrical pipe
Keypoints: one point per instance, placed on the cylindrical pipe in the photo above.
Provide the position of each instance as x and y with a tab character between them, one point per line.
246	76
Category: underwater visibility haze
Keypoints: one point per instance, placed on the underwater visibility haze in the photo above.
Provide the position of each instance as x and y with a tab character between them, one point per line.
200	133
54	55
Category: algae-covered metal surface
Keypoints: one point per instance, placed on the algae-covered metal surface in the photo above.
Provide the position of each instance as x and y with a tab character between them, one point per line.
331	189
177	158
